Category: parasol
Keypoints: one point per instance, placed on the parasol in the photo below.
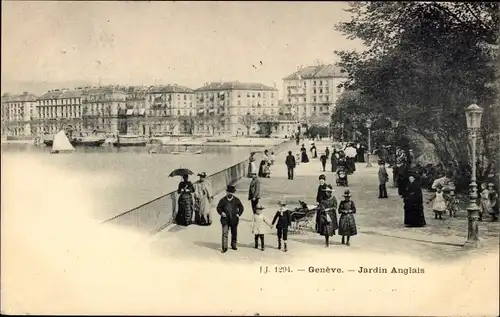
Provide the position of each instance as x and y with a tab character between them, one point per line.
180	172
350	151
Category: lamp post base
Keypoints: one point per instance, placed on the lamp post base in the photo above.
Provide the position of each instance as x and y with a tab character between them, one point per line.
472	244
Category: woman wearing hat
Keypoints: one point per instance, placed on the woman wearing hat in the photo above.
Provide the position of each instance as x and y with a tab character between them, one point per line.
203	197
347	223
326	216
413	204
303	155
186	205
321	194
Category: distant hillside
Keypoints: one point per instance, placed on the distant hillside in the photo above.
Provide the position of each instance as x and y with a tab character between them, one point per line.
38	87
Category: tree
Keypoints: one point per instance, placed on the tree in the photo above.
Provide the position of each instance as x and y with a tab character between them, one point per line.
248	121
425	62
213	121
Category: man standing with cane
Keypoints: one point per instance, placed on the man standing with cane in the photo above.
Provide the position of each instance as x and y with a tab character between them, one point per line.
230	209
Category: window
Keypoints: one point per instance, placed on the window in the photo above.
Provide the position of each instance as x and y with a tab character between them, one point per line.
327	98
314	99
338	90
320	82
258	95
314	108
320	90
314	83
185	97
314	90
304	99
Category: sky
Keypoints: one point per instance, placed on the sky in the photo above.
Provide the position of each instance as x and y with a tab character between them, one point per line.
184	43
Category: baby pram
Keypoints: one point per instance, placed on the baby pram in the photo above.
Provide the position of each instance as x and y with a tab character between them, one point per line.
303	217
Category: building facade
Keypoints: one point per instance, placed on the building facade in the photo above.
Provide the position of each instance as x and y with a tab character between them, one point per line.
17	113
170	110
220	107
102	108
312	91
58	109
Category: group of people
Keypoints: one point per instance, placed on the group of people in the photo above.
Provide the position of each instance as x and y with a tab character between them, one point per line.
264	169
194	201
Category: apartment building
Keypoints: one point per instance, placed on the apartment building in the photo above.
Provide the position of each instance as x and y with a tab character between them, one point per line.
312	91
102	107
59	108
17	111
170	109
220	106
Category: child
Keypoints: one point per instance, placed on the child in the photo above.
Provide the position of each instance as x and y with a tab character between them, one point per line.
485	201
297	159
452	203
439	205
383	177
283	219
258	226
272	158
323	158
347	223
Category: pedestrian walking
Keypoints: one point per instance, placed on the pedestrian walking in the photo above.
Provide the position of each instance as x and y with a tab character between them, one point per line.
283	221
323	159
230	209
259	227
383	177
185	202
493	201
485	204
254	192
203	198
326	216
252	167
327	152
321	194
290	164
334	160
413	204
347	223
303	157
314	152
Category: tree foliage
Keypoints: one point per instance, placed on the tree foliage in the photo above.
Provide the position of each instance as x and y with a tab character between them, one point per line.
248	121
425	63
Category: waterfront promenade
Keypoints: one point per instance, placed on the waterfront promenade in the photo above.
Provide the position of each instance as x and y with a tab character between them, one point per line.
380	221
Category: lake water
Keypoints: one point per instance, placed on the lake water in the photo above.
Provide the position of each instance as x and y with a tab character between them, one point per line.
117	179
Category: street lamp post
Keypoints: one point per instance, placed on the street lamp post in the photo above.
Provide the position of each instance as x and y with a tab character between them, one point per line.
394	124
368	125
473	116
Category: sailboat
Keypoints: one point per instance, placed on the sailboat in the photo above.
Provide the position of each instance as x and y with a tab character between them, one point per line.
61	143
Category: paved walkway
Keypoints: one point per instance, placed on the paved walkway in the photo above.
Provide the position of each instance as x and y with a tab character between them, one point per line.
380	221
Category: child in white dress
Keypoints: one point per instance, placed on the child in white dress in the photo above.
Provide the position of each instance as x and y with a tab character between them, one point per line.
439	204
259	227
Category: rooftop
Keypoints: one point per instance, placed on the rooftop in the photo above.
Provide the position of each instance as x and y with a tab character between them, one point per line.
320	71
235	86
169	89
19	98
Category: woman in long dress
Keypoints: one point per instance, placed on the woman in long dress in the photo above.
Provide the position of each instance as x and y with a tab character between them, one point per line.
413	204
203	198
326	217
303	152
186	205
252	168
347	222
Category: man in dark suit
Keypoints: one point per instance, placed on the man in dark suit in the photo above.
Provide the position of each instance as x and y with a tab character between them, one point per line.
254	192
290	164
230	209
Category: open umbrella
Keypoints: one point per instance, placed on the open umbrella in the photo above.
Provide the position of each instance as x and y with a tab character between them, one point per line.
180	172
350	151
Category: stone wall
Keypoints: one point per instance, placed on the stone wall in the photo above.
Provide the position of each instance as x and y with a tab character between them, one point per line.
158	213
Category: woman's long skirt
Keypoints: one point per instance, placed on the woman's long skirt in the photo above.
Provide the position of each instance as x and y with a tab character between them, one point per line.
347	225
326	228
304	158
205	214
414	214
186	207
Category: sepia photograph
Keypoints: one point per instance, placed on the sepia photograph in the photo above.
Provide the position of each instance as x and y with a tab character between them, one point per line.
250	158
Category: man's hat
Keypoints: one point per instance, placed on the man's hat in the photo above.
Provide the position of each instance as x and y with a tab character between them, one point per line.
347	193
282	203
202	174
231	189
260	207
322	176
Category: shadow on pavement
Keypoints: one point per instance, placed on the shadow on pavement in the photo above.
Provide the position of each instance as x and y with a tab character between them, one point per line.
413	239
318	242
176	228
217	246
